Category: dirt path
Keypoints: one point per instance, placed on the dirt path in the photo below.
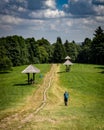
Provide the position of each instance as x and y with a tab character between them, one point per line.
34	104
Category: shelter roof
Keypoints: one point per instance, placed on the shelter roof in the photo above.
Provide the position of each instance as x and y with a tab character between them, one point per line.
67	58
68	62
31	69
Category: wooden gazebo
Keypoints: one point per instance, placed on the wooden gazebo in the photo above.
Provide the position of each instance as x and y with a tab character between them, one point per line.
31	70
67	58
68	63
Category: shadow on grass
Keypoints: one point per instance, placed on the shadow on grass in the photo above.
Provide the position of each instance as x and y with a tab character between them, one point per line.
102	72
61	72
25	84
4	72
102	68
22	84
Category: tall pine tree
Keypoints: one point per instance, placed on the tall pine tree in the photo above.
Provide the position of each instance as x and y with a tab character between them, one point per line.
97	47
59	51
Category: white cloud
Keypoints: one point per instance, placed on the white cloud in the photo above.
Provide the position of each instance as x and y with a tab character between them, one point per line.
99	9
65	6
48	13
53	13
50	4
10	19
42	18
6	1
6	27
59	25
53	27
88	21
69	23
99	18
21	9
36	14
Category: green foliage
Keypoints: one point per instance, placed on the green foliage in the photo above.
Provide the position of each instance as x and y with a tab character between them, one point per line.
43	55
71	50
97	47
85	52
15	49
47	56
98	32
5	63
32	50
59	51
93	51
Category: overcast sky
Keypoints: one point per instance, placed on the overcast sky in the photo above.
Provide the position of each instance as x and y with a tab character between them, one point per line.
68	19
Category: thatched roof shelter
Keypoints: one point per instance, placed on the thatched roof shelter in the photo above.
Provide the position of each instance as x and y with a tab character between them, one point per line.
68	63
31	69
67	58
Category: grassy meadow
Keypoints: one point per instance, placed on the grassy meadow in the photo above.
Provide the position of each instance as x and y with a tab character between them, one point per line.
85	110
14	88
85	84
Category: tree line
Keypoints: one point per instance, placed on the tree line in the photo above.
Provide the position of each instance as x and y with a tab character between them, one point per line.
16	51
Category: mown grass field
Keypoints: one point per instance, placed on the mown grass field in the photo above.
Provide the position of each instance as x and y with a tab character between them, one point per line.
85	84
85	110
14	88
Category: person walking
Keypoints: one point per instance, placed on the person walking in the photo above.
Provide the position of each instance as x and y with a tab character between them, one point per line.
66	96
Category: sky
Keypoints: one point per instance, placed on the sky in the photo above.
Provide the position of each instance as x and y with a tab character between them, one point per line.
68	19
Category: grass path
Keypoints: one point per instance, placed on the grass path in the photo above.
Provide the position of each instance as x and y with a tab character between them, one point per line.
34	104
47	118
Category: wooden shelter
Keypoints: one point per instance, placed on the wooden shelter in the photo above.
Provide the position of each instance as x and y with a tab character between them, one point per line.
67	58
68	63
31	69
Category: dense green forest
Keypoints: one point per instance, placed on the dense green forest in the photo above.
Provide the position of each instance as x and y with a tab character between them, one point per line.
15	50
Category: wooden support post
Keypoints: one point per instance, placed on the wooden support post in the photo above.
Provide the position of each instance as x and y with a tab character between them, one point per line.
28	78
33	77
66	68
